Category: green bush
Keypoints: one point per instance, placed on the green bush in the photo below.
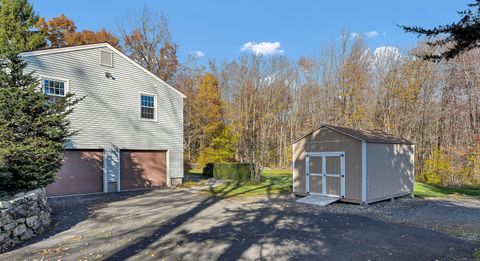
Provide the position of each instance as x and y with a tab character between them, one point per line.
235	171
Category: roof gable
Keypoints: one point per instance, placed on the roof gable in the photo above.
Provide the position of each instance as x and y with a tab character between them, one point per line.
369	136
98	45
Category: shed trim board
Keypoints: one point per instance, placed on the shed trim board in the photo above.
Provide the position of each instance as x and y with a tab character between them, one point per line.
364	172
324	173
413	170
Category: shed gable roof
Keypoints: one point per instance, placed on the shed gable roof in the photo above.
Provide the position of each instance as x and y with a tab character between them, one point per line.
91	46
371	136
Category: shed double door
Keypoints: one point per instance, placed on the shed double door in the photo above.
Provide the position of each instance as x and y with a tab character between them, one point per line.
325	173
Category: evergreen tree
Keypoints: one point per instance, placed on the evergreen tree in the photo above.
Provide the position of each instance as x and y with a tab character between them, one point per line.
17	20
455	38
33	129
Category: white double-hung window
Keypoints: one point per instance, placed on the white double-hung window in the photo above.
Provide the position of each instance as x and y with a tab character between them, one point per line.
148	108
56	89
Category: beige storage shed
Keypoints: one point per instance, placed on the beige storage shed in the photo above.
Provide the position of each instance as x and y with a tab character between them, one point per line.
357	166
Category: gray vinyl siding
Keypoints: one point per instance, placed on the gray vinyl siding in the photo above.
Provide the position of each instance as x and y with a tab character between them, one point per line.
326	140
109	116
390	170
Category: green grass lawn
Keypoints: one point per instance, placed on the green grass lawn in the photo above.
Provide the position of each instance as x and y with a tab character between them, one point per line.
424	190
274	183
277	182
192	172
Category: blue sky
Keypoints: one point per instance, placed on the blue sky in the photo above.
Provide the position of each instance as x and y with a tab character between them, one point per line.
219	29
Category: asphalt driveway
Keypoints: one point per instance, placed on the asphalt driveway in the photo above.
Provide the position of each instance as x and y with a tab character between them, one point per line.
151	225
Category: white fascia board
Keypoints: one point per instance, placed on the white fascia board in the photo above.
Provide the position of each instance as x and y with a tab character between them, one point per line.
364	172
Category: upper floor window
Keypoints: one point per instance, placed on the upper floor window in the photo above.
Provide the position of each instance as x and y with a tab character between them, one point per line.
147	107
56	89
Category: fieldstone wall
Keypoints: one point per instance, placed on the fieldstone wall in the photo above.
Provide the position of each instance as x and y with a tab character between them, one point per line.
23	217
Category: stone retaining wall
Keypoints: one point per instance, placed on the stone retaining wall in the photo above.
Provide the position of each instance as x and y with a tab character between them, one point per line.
23	217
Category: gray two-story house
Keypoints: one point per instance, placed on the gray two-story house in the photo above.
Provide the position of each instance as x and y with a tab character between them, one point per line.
130	122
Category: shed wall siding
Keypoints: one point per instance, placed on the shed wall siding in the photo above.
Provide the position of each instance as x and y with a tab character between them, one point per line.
325	140
389	170
109	115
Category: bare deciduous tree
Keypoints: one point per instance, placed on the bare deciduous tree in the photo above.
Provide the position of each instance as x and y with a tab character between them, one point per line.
147	40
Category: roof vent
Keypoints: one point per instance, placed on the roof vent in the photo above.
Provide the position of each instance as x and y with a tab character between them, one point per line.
106	58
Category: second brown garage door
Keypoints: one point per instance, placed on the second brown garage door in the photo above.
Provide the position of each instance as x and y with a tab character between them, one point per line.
143	169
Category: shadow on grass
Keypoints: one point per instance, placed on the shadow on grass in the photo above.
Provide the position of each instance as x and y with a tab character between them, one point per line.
425	190
269	187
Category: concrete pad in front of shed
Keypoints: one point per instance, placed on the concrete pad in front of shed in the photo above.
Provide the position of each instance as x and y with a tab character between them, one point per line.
318	200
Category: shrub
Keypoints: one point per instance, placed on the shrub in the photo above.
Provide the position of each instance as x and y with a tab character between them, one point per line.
436	168
235	171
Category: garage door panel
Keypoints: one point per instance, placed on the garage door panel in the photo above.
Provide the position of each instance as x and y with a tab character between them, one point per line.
81	173
142	169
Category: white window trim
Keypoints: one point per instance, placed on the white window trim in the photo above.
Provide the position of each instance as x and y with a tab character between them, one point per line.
58	79
155	106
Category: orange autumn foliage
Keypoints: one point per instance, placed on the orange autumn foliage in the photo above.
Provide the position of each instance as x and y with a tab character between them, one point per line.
61	31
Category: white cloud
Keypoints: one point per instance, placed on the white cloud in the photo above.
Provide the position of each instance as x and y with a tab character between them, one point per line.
371	34
262	48
197	54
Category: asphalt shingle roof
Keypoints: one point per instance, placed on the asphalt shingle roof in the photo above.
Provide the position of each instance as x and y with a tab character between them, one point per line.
372	136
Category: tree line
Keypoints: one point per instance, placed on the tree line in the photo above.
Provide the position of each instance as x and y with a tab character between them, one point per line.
252	108
269	101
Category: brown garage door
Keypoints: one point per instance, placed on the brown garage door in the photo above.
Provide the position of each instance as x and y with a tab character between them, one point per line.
142	169
81	173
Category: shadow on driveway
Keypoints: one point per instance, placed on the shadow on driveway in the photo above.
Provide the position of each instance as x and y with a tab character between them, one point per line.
71	210
181	225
